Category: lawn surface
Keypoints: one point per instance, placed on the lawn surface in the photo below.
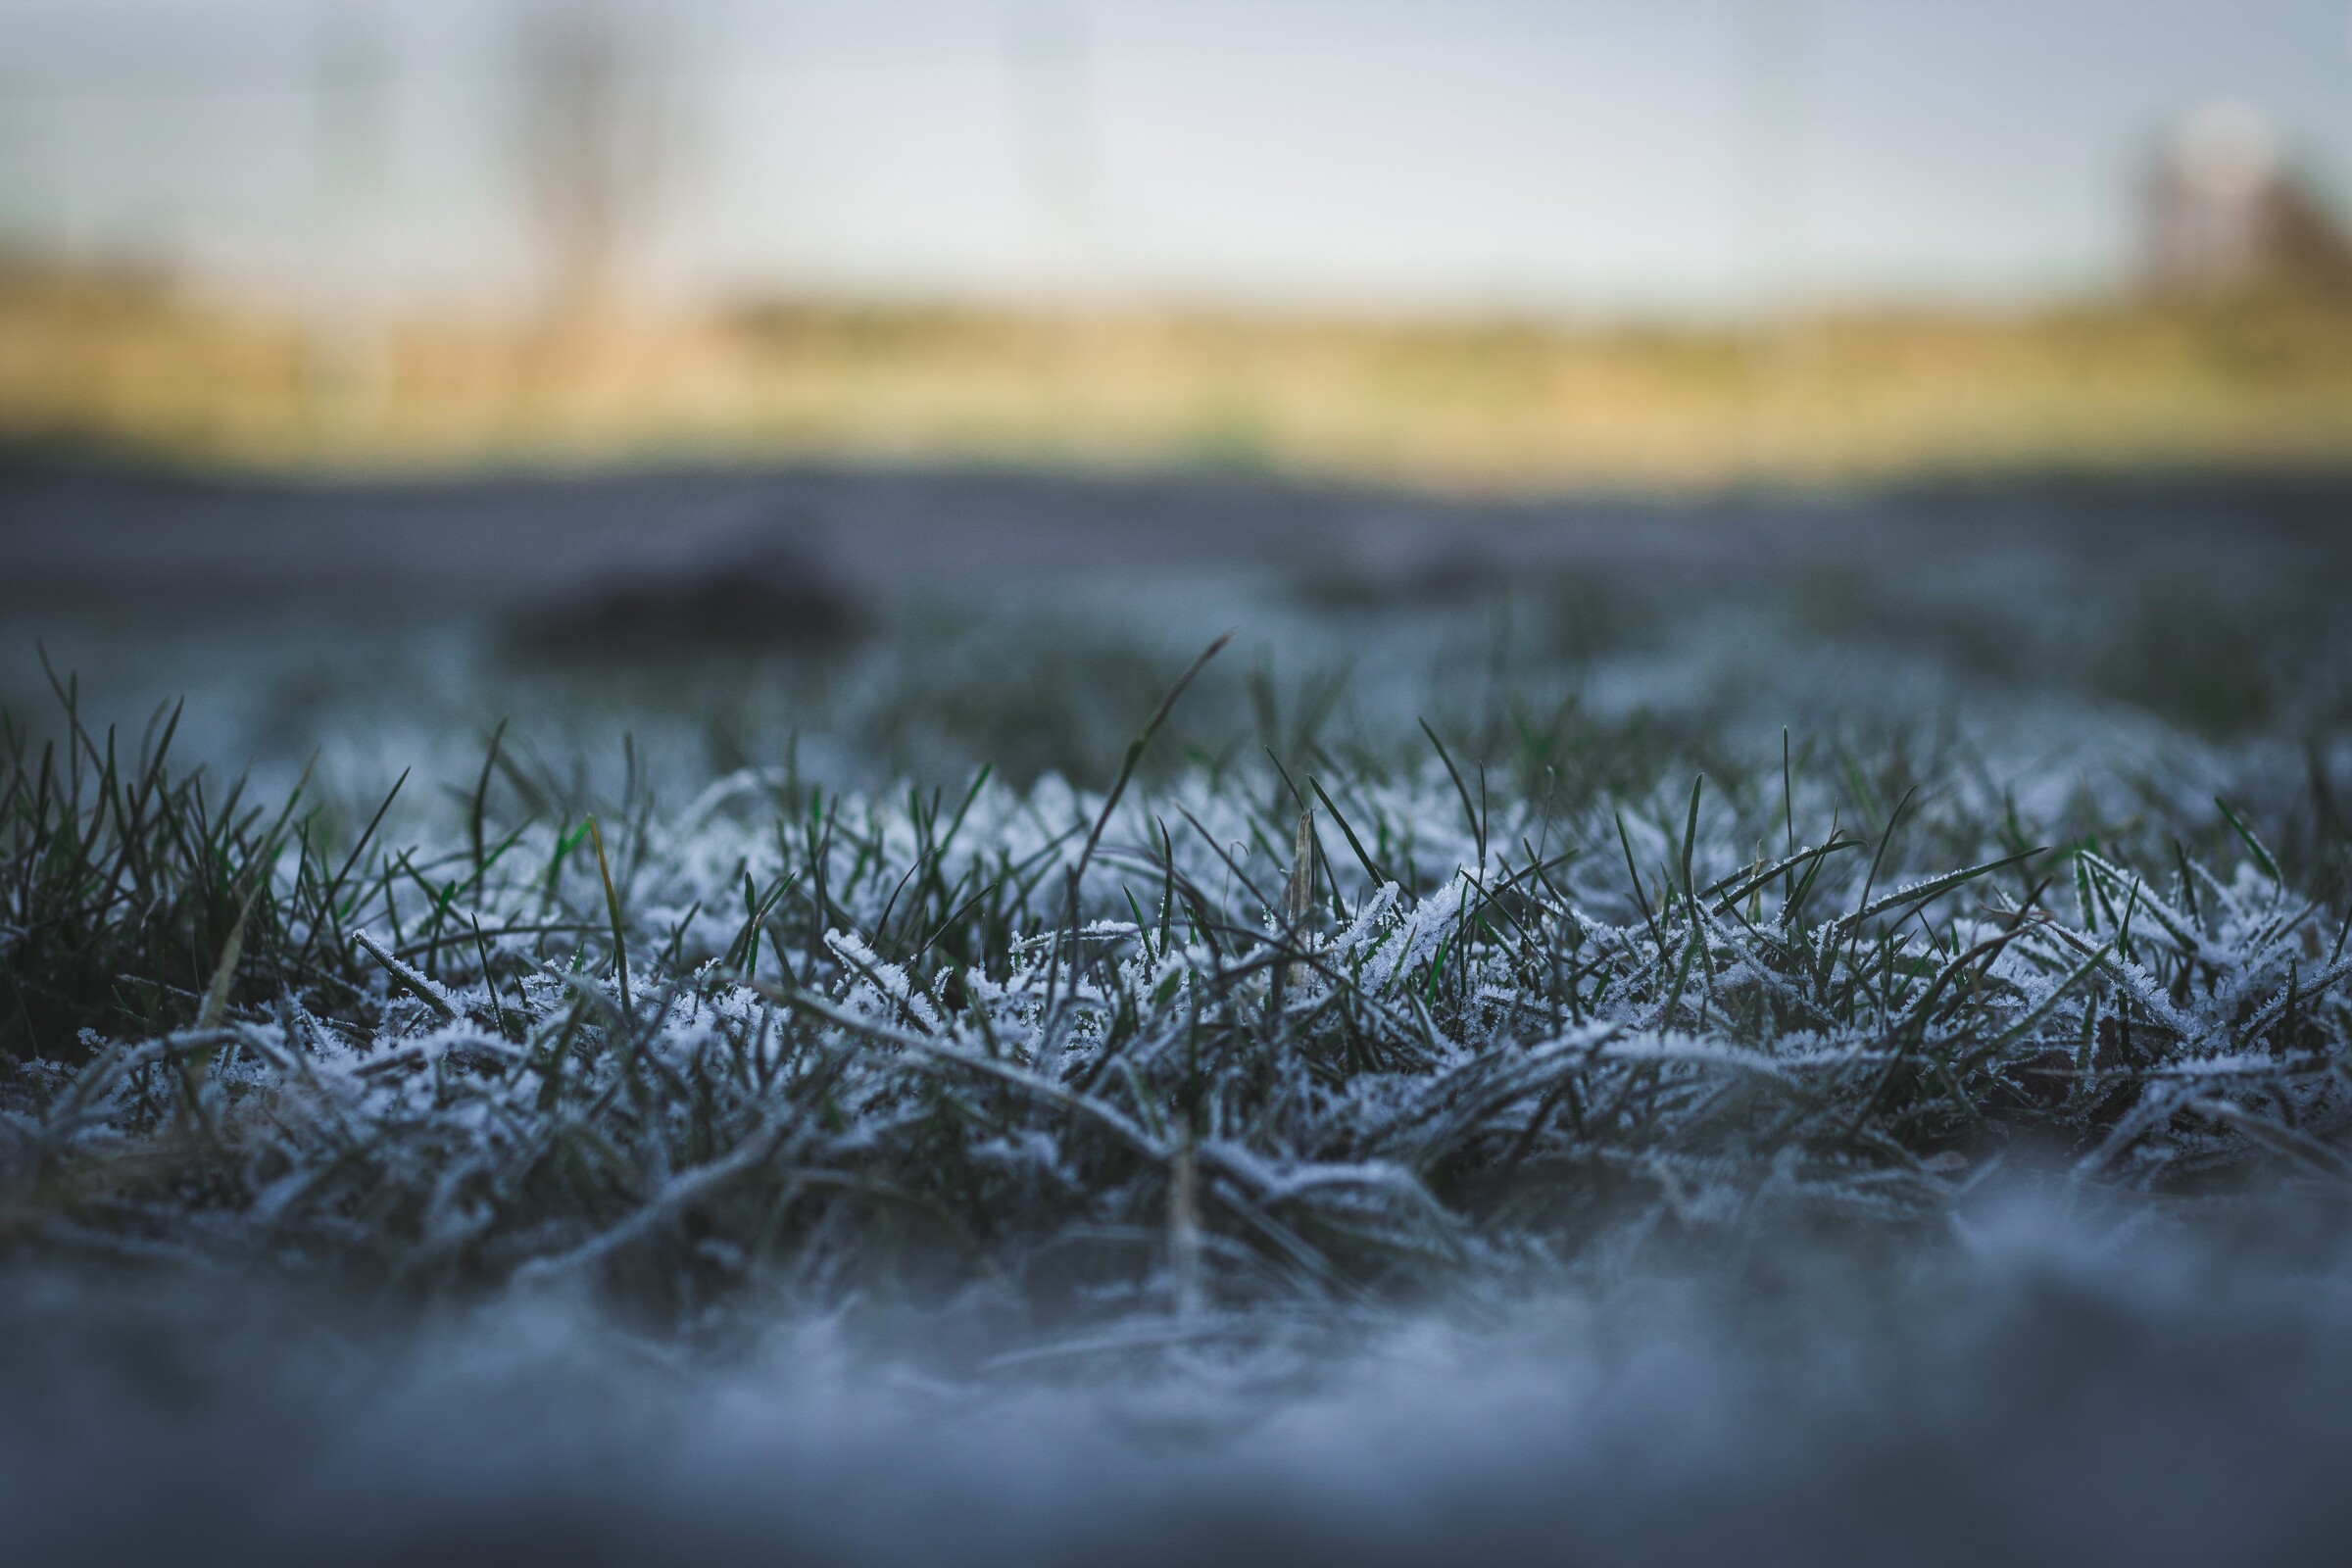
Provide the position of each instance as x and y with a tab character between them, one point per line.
1493	1042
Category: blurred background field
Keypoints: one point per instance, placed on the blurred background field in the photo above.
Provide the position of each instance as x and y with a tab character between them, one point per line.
1504	245
109	365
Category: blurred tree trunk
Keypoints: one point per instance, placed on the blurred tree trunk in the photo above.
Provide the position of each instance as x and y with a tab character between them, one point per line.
591	151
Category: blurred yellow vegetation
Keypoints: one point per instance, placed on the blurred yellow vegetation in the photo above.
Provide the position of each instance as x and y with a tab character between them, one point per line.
131	366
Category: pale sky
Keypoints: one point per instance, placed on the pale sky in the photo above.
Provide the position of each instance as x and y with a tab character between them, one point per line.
1592	156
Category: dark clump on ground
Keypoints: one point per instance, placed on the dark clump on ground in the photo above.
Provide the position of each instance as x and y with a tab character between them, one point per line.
769	591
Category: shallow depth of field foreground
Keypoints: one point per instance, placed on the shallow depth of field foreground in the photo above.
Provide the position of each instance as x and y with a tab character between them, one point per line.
1778	1030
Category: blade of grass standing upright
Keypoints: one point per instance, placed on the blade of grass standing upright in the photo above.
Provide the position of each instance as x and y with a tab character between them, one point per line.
1110	804
620	940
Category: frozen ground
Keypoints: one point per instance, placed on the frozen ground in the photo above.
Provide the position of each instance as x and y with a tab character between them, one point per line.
1918	1141
2029	1387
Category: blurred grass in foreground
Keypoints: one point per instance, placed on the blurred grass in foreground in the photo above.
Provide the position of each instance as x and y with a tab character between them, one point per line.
131	366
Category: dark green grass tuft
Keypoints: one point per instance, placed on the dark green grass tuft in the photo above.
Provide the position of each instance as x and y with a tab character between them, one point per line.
135	896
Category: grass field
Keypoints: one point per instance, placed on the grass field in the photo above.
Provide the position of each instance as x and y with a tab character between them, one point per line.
1309	1015
1438	1067
135	366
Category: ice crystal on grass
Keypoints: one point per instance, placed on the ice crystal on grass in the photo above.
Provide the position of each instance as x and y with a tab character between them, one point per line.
1242	1038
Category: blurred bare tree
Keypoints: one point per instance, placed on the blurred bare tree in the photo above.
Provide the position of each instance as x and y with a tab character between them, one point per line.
1047	49
593	148
1774	42
2228	213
